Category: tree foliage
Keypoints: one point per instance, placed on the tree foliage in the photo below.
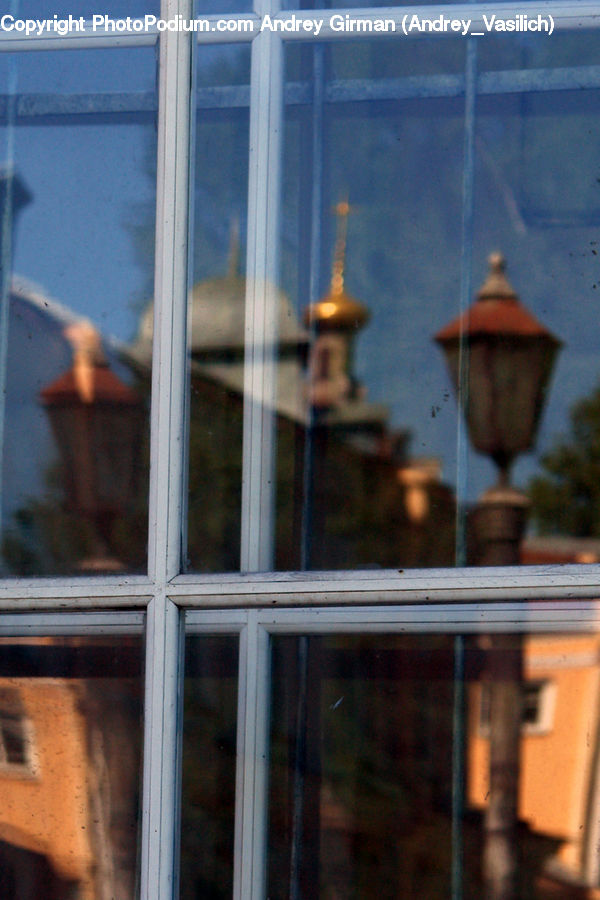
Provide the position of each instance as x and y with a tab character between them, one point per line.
566	498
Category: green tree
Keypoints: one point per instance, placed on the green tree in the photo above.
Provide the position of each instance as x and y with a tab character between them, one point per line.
566	497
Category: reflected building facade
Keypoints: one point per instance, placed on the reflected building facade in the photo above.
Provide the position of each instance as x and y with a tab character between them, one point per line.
70	768
346	483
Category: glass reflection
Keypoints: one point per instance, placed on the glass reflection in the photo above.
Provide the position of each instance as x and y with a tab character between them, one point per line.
546	224
362	215
217	312
209	761
77	196
70	754
385	471
375	463
360	767
363	785
49	8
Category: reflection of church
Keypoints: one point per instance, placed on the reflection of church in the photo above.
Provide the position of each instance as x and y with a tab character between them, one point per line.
343	476
370	504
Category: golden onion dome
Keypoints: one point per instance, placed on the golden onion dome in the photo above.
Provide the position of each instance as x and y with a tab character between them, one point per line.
336	312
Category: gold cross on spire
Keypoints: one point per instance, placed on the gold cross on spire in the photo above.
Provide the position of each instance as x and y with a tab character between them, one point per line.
342	210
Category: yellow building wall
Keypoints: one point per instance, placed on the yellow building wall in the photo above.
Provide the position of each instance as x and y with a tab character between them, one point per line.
556	764
47	810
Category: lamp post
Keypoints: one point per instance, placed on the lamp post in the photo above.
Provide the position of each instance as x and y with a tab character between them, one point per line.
500	359
96	420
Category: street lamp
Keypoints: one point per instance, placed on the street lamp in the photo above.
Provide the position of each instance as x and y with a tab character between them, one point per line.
96	420
510	360
500	359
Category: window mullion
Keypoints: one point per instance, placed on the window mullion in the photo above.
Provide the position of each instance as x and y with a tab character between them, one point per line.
162	732
164	644
252	763
260	380
170	301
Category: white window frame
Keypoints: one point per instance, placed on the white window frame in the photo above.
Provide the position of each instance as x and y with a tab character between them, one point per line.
255	604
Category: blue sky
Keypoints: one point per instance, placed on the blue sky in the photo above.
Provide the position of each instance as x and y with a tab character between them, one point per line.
90	181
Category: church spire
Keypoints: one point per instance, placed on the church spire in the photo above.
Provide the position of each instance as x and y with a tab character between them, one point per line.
337	311
342	210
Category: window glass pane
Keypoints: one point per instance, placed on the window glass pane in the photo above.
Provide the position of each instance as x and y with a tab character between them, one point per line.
65	76
365	4
375	465
77	135
209	753
354	4
365	798
207	7
361	778
536	202
370	68
529	50
47	9
220	188
379	466
70	767
370	259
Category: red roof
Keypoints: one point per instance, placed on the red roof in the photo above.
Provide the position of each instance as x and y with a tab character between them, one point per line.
494	316
107	388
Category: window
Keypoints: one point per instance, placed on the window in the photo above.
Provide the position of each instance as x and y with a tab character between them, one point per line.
250	588
538	708
16	747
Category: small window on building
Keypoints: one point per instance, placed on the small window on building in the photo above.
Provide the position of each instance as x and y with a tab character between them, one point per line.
537	711
15	742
